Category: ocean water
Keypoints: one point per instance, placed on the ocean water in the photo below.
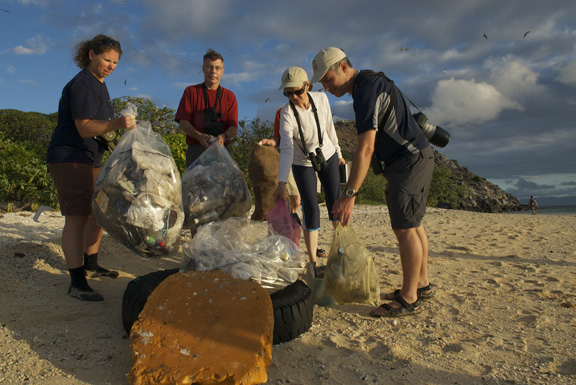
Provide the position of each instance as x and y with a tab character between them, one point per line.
550	210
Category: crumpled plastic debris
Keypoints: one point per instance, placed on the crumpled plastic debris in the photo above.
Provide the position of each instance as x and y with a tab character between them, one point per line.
245	249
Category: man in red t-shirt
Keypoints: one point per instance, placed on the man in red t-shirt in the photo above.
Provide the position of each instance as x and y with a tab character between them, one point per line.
207	111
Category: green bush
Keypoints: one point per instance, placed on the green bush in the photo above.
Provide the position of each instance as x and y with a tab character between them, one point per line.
27	126
445	190
24	177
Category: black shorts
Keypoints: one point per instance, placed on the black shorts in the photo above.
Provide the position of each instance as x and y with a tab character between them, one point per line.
75	185
407	188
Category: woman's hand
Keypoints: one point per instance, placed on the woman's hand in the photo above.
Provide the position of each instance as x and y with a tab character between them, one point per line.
280	191
128	122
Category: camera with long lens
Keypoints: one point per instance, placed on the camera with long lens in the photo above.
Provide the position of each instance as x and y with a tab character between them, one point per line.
435	134
317	159
211	124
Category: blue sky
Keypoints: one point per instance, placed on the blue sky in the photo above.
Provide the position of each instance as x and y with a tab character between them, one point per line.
507	99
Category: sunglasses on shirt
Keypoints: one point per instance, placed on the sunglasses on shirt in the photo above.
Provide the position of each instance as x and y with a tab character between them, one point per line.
297	92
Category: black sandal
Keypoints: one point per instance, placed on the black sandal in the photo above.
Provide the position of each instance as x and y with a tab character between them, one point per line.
404	310
423	293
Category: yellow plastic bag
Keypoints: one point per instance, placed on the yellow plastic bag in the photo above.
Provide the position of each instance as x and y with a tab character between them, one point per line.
350	275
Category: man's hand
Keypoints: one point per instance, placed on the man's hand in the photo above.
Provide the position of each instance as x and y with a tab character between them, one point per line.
204	139
342	209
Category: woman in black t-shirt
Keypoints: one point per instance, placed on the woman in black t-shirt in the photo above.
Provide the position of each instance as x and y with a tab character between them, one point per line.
75	154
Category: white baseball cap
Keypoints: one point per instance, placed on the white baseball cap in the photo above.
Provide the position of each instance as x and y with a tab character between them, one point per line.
293	77
324	59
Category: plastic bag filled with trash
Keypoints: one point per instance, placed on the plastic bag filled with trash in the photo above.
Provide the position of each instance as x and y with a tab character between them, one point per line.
138	194
350	275
245	249
213	188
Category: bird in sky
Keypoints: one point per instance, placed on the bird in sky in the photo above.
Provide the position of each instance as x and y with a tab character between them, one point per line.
125	81
526	33
5	10
403	49
485	37
267	100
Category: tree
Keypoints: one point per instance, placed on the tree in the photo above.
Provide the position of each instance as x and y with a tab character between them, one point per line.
161	119
27	126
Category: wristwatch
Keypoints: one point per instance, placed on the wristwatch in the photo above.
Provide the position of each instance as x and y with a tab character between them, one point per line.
350	192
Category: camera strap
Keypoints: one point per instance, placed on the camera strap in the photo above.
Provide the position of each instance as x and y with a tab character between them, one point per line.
218	97
315	110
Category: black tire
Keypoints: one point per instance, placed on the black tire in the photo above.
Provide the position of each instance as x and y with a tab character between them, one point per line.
137	292
293	306
293	311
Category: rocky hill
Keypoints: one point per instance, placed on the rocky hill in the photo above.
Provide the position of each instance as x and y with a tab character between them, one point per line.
483	196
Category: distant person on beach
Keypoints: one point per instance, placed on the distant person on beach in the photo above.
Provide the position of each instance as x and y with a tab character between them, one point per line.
207	110
387	132
309	146
74	158
532	204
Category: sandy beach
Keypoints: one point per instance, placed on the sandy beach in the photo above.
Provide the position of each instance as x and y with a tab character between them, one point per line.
504	310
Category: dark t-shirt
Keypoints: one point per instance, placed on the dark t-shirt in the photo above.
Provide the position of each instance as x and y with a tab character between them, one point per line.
84	97
400	135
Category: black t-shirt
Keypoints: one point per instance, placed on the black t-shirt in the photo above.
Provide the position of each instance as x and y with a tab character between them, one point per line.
84	97
401	135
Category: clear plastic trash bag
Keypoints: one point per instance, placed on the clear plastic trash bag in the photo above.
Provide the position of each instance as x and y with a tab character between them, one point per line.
245	249
350	275
213	188
138	194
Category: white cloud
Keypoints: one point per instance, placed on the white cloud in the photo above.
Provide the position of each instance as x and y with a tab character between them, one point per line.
10	69
567	74
461	102
36	45
513	77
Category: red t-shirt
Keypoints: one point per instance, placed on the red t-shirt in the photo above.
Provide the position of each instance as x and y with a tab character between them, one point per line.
192	108
277	124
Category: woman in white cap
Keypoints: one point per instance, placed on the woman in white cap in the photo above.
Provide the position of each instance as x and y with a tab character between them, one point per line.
309	146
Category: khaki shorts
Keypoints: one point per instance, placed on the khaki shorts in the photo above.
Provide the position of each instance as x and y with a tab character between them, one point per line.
291	188
75	185
407	188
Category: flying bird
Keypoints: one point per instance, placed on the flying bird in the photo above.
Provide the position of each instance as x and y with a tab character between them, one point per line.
267	100
485	37
5	10
403	49
526	33
125	80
